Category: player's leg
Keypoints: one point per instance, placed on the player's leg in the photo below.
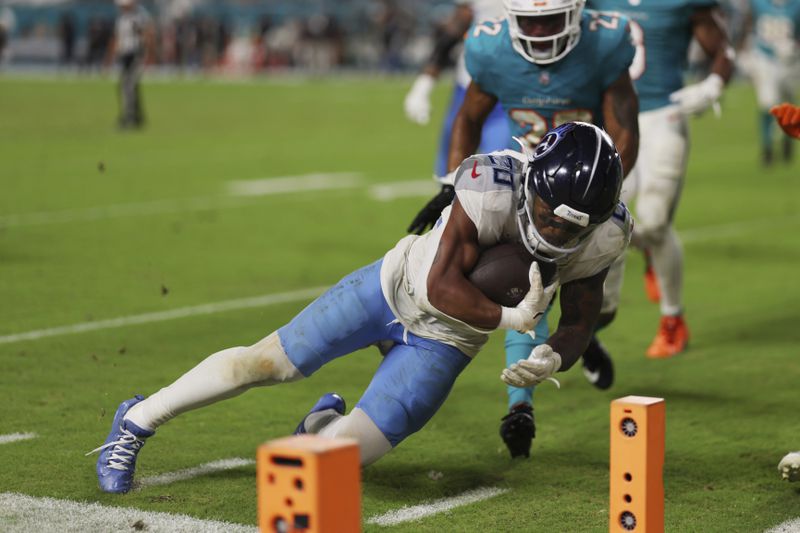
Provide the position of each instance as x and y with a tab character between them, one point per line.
410	385
518	427
440	166
789	467
662	160
786	94
350	315
765	80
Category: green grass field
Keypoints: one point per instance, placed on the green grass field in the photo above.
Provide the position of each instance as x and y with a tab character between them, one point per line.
97	224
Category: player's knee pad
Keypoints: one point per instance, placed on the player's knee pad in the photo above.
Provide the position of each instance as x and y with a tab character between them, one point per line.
265	363
648	233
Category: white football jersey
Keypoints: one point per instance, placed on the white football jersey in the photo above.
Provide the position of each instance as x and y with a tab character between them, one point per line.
487	187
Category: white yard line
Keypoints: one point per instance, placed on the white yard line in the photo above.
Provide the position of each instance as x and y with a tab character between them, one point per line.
290	184
239	193
790	526
386	192
20	513
15	437
408	514
189	473
160	316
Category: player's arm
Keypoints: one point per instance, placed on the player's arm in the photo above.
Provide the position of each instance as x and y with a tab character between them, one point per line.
581	300
466	134
417	103
446	38
621	119
450	291
464	141
709	31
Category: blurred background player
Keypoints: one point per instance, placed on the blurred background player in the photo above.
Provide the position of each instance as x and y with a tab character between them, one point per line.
417	104
775	29
132	39
545	64
788	118
662	32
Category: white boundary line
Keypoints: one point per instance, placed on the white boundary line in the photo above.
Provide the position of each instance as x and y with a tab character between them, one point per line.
159	316
790	526
408	514
20	513
189	473
15	437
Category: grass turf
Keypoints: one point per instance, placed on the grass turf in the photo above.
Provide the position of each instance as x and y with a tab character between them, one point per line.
731	400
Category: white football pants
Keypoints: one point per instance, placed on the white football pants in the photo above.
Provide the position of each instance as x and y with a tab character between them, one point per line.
654	187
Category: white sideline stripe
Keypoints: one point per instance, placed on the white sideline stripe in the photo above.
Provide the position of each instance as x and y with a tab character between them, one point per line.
189	473
14	437
386	192
159	316
286	184
20	513
407	514
790	526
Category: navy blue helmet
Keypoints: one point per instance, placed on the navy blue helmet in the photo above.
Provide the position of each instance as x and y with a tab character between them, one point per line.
577	172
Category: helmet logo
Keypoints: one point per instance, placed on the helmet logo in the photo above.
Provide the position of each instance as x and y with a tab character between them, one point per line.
546	145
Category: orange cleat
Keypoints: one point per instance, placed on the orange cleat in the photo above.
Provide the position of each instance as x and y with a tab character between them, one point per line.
651	285
672	338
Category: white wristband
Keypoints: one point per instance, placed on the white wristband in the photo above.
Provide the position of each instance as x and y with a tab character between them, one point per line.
510	318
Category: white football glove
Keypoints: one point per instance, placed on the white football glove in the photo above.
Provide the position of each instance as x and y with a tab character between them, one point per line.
529	311
541	365
698	97
417	104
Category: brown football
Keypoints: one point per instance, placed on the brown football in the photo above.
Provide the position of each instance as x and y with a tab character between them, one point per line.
501	273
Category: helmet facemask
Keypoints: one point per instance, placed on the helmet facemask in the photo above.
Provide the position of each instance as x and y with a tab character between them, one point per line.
559	19
566	227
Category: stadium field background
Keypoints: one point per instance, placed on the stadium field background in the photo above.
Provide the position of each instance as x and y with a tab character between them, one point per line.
97	224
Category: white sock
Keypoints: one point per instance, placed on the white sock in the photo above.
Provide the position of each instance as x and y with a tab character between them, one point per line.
222	375
667	259
357	425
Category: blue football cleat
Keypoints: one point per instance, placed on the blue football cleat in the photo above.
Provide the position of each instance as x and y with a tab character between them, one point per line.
328	401
117	461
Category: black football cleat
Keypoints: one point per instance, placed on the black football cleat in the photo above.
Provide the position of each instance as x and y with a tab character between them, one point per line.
597	365
518	430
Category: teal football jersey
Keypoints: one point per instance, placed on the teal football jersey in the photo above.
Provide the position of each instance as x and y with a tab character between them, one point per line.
537	98
662	32
776	24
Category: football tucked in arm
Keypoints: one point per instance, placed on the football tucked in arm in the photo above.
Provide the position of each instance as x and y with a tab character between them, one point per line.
501	273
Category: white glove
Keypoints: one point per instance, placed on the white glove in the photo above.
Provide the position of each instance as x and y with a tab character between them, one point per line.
529	311
698	97
542	363
418	100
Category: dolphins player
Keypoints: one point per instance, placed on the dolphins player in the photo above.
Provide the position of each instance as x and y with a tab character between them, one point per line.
775	28
418	297
664	30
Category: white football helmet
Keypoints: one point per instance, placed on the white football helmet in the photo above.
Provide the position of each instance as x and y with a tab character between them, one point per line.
545	49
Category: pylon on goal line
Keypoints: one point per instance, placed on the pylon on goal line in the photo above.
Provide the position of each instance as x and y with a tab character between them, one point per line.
309	483
636	471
